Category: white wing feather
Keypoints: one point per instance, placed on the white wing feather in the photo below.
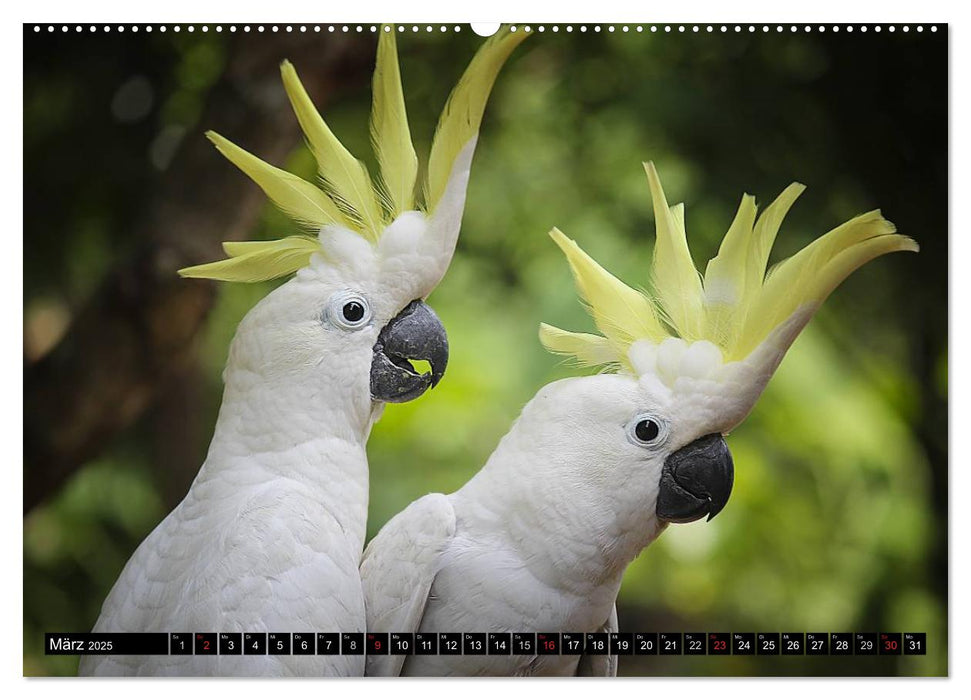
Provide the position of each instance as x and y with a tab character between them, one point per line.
398	569
601	666
226	561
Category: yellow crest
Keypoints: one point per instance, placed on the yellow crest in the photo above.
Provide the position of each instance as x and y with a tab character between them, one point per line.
348	196
735	305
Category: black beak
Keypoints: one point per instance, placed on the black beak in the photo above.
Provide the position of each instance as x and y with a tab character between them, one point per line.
695	480
414	334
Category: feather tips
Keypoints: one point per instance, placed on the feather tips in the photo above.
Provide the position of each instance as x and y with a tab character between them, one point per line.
675	279
390	135
257	261
298	198
345	175
736	305
588	349
728	276
621	313
462	115
767	228
809	276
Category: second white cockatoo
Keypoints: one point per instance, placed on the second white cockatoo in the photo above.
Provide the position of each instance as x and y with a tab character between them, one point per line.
597	466
270	534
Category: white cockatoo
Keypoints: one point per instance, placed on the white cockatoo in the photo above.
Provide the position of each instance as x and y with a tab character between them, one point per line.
596	466
270	535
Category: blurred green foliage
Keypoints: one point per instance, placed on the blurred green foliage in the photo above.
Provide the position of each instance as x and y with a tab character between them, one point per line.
838	519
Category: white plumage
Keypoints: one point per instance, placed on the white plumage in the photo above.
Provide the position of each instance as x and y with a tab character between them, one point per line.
595	467
537	541
270	535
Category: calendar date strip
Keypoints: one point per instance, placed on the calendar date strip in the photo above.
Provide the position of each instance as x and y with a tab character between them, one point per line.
489	644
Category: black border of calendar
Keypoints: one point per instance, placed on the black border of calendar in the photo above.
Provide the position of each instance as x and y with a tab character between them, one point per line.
488	643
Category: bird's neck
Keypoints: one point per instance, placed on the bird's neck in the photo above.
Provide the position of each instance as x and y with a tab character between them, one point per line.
567	534
295	433
272	412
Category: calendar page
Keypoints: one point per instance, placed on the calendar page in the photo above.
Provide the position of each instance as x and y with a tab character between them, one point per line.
546	349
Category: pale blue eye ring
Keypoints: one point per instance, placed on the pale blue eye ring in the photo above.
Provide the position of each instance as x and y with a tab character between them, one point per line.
348	310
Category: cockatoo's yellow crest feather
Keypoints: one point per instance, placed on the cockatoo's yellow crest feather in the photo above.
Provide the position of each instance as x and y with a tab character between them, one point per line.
675	279
258	261
390	135
298	198
587	348
462	115
350	198
621	313
736	305
345	176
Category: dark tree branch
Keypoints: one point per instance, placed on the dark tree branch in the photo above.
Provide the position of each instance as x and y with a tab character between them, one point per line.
138	330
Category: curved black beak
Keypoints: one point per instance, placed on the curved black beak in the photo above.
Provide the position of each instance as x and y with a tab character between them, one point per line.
414	334
695	480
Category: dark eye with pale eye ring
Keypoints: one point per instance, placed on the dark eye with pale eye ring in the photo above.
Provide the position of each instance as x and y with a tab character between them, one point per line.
348	310
647	430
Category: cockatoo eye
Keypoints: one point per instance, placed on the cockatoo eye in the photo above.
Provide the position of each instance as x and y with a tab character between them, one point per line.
348	310
353	311
647	430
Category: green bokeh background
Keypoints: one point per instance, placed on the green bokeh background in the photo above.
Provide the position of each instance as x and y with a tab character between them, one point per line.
838	520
